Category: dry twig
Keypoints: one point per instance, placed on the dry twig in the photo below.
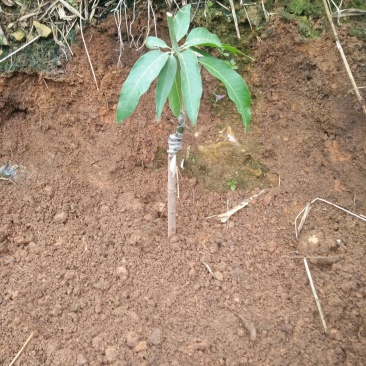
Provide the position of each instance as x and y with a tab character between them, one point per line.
307	208
234	18
315	296
224	217
86	50
21	350
340	49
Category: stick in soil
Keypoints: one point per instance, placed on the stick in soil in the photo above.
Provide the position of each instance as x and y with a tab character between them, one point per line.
315	296
21	350
249	326
86	50
344	59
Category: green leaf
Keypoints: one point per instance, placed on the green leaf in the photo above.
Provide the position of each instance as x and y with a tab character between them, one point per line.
236	87
175	96
165	82
155	42
233	50
181	22
202	37
191	84
142	74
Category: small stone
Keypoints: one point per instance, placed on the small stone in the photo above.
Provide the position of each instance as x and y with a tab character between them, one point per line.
174	239
122	272
132	339
236	272
287	328
60	217
313	239
149	217
338	350
4	232
74	308
192	273
69	275
271	247
49	191
102	285
98	342
174	246
155	337
104	210
241	332
142	346
132	315
19	240
121	310
197	286
81	360
111	354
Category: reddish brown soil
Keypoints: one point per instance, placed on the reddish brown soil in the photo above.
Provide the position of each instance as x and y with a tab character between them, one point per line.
85	263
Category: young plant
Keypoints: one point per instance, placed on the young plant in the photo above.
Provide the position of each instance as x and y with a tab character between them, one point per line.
179	80
232	183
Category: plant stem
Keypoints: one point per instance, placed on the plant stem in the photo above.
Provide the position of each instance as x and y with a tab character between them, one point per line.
175	145
172	205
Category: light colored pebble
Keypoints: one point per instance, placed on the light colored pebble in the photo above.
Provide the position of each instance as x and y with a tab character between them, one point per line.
155	337
132	339
81	360
60	217
111	354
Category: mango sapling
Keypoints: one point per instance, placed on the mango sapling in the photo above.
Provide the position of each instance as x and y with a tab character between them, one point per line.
179	80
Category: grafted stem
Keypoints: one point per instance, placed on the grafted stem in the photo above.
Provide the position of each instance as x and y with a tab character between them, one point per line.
175	145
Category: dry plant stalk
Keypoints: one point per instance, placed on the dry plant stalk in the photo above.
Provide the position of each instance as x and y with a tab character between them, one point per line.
305	212
340	49
224	217
234	17
86	51
315	296
21	350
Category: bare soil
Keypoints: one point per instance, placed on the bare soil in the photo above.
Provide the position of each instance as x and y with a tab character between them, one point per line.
85	262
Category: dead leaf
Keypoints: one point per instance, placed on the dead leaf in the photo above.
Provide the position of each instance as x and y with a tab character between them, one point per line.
42	29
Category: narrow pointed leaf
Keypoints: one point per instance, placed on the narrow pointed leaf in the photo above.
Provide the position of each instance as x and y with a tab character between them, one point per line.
236	87
165	82
155	42
231	49
145	70
181	22
202	37
175	96
191	84
235	51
